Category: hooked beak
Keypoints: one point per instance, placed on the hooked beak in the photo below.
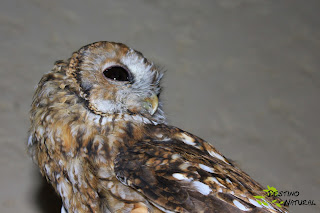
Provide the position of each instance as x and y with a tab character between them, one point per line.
151	103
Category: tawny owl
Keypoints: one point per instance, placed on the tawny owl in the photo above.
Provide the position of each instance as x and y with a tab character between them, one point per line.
99	135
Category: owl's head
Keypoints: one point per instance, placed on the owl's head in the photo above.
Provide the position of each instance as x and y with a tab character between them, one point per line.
115	79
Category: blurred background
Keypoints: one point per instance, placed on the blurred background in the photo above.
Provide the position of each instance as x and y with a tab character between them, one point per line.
241	74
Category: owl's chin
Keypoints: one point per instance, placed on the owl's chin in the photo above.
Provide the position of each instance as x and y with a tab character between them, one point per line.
108	108
101	106
145	109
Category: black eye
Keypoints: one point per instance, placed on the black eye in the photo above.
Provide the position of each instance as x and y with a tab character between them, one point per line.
117	73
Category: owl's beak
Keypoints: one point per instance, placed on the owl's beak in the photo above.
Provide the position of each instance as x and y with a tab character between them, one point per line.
151	103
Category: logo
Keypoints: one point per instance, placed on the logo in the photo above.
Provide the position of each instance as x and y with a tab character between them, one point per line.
273	192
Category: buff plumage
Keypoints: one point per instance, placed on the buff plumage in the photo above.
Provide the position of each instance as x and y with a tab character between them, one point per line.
99	135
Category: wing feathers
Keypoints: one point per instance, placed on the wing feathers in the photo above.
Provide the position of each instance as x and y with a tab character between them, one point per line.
181	175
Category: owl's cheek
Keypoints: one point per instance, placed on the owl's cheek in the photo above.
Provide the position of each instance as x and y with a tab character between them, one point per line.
134	105
102	100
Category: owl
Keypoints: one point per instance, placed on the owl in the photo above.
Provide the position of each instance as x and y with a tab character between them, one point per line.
99	135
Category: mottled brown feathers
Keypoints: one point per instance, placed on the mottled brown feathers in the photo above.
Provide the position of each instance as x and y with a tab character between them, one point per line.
104	145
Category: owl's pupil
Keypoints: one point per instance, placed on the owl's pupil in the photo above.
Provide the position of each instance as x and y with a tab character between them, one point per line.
116	73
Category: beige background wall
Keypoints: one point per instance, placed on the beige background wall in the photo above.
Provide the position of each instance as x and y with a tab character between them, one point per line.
242	74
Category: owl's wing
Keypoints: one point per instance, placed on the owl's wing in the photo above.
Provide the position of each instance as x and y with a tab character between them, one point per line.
182	173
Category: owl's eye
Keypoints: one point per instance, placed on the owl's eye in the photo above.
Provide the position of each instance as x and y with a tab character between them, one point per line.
117	73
